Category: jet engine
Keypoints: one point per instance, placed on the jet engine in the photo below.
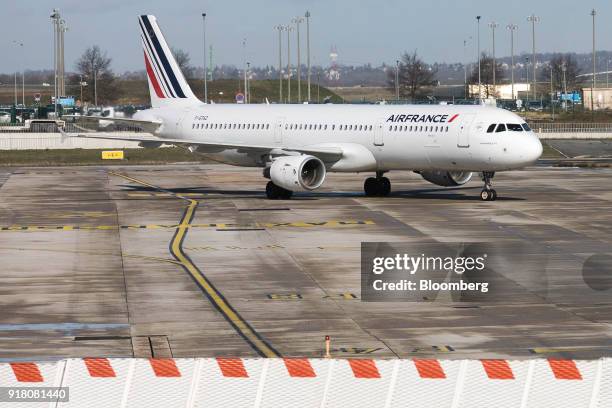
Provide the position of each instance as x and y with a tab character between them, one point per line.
446	178
297	173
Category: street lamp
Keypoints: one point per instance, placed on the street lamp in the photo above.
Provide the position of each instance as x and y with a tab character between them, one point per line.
593	14
289	29
397	65
527	75
248	82
479	81
533	19
280	29
564	69
297	22
493	26
465	68
307	15
20	44
512	28
205	64
246	91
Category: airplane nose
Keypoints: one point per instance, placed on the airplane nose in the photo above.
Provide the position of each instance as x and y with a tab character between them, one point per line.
533	148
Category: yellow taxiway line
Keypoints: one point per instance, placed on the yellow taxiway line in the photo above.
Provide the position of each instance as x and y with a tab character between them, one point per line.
217	299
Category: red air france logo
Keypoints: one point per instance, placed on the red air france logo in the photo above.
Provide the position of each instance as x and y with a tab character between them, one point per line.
422	118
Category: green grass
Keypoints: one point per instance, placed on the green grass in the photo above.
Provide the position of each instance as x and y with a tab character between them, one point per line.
89	157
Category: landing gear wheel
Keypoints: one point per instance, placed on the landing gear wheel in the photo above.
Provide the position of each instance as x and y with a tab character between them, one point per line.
370	186
485	195
384	187
488	195
274	192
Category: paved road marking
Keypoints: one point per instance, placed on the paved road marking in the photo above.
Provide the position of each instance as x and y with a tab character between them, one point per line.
218	300
219	226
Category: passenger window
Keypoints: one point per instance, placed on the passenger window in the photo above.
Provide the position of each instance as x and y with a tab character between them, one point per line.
514	127
390	128
500	128
447	128
333	127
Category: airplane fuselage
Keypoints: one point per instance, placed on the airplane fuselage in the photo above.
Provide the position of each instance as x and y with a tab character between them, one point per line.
374	137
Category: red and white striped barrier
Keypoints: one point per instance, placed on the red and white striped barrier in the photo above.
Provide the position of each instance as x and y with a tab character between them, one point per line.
233	382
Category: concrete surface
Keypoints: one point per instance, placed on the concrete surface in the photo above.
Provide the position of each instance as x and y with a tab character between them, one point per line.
87	266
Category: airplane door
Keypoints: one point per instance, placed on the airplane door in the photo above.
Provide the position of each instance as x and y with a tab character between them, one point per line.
379	134
278	130
463	136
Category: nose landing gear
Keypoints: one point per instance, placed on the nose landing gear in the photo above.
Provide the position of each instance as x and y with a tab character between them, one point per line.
487	193
379	186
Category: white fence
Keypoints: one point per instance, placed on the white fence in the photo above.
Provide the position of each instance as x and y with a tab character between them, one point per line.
42	141
548	130
234	382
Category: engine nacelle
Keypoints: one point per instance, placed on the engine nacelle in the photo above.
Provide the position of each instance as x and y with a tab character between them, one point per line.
446	178
297	173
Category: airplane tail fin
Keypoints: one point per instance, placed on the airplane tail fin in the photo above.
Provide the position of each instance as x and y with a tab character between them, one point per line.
167	84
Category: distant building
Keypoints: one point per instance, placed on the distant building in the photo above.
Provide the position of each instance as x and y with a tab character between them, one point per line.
602	98
500	91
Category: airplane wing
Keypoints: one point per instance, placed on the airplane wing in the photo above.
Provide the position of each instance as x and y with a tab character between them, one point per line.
145	125
326	154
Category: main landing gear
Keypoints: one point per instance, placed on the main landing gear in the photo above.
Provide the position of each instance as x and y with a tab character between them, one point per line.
379	186
487	193
274	192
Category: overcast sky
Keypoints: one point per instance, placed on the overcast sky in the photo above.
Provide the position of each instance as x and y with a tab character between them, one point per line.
363	31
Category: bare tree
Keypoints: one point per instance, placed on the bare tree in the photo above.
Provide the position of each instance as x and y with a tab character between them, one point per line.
183	59
486	74
557	62
414	76
94	66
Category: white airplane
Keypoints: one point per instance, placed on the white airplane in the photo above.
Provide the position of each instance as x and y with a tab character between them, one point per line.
296	145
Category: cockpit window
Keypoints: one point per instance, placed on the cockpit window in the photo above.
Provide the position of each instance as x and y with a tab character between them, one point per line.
491	128
526	127
514	127
500	128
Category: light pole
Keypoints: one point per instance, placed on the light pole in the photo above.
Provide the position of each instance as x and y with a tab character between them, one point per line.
593	13
205	62
479	81
20	44
248	82
533	19
289	29
512	27
397	65
297	22
307	15
280	29
55	21
527	75
564	68
465	69
493	26
552	92
246	91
